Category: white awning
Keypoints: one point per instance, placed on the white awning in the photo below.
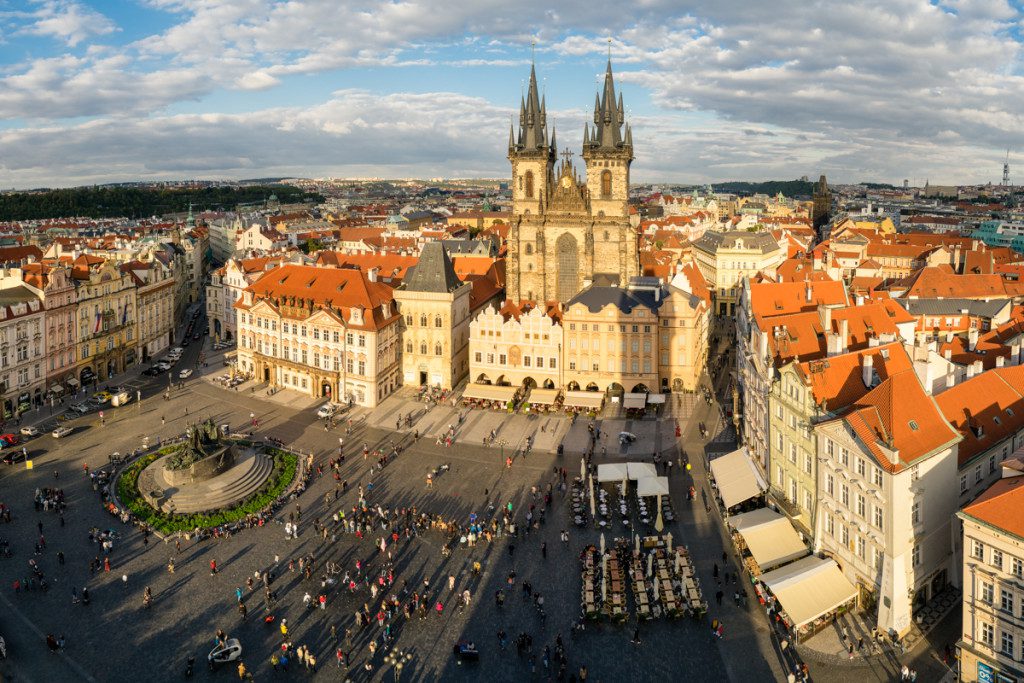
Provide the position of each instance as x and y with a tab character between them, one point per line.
544	397
583	399
612	471
72	382
652	486
634	401
489	392
769	536
656	398
809	588
736	477
640	470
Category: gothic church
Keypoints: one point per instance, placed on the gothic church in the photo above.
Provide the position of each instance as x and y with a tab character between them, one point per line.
568	231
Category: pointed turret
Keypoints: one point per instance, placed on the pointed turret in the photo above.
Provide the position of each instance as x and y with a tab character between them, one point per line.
532	118
511	136
609	114
554	143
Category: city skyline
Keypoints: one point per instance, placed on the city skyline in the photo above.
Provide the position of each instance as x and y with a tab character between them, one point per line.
170	89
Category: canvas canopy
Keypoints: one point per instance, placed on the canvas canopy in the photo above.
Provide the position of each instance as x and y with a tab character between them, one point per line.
736	478
489	392
583	399
809	588
543	396
652	486
634	401
612	471
640	470
769	536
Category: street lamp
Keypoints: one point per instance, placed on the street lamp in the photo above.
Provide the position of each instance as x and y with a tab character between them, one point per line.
502	443
398	661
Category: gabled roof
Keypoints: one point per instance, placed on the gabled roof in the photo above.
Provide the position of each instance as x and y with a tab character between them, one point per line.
434	271
986	409
1000	506
838	381
782	298
935	282
899	414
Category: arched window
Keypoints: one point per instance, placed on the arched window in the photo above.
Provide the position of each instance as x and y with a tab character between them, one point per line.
408	347
529	248
423	348
437	321
423	320
437	349
529	184
606	183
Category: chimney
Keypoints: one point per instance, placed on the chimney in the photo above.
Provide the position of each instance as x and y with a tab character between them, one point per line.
978	367
825	315
809	292
866	368
948	354
949	336
764	344
950	376
844	334
1000	361
860	299
970	371
1015	353
371	274
972	338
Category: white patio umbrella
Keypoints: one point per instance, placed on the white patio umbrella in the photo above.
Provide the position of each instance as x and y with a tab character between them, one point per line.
650	564
602	543
638	542
590	482
668	541
583	468
604	576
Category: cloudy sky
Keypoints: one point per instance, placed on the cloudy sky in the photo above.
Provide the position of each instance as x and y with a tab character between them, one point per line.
101	91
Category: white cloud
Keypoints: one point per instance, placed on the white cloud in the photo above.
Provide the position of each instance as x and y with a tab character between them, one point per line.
66	20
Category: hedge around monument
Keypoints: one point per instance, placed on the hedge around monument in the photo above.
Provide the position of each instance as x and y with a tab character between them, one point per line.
285	466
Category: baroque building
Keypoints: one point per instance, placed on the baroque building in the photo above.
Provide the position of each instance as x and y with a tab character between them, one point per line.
568	232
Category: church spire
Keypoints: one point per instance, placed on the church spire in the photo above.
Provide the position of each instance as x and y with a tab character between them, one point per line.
609	115
532	118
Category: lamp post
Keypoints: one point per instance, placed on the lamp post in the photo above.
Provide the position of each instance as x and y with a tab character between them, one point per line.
398	660
502	443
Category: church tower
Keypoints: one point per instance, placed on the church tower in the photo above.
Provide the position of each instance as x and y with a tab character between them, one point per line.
531	153
568	231
821	206
608	153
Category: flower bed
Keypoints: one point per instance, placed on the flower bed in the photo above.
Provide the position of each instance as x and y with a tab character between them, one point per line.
285	467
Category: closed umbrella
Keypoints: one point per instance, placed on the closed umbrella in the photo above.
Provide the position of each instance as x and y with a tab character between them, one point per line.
659	524
650	564
668	541
602	543
638	542
583	467
590	483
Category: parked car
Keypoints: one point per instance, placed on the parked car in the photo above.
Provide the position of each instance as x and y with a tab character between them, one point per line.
102	397
184	374
8	440
62	431
326	410
30	431
14	456
177	351
81	408
121	398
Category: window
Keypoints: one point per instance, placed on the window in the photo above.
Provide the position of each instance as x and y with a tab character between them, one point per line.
830	447
977	549
844	535
991	464
861	548
437	349
1017	567
844	457
808	463
792	453
552	363
1006	600
987	634
830	484
987	592
829	525
526	361
997	558
808	501
963	483
844	494
915	556
502	359
606	184
437	321
1006	644
479	355
878	517
860	466
529	185
861	506
876	476
915	512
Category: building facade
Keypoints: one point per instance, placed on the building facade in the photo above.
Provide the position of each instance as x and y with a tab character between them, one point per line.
106	319
991	644
566	231
22	347
726	258
435	308
516	347
326	332
154	285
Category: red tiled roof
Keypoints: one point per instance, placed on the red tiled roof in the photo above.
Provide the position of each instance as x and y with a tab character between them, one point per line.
781	298
1000	506
837	382
986	409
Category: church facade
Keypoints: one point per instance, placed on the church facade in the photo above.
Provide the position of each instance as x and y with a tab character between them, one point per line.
568	232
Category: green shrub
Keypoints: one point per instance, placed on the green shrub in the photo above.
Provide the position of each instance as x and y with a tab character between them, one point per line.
285	467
